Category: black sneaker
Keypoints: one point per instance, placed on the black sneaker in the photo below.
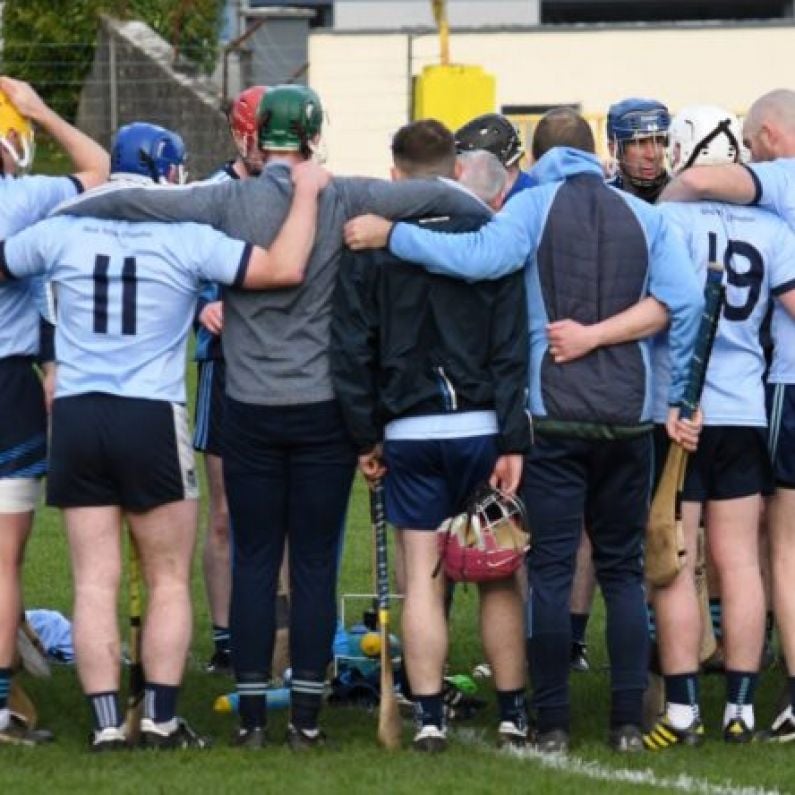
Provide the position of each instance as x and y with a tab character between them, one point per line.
782	730
180	738
430	739
738	732
111	738
220	663
579	657
253	739
554	741
626	739
664	735
304	739
18	733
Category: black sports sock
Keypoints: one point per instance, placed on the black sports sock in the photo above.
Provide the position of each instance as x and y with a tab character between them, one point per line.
429	710
579	624
5	686
512	706
221	639
160	702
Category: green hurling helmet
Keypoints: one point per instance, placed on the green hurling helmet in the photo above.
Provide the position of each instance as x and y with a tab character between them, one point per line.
290	116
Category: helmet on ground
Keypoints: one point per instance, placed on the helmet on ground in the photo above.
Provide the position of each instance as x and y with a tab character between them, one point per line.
494	133
243	116
16	133
487	542
147	149
703	135
290	116
636	118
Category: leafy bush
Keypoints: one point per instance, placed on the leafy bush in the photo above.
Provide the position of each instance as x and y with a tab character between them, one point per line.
53	49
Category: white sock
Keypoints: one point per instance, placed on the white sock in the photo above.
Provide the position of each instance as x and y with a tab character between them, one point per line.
5	718
743	711
681	716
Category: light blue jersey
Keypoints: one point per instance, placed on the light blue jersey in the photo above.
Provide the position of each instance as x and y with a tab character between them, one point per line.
757	250
126	297
775	182
517	238
24	201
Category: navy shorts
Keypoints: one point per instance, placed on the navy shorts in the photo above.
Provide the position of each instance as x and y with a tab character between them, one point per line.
23	420
731	462
431	479
210	401
781	433
128	452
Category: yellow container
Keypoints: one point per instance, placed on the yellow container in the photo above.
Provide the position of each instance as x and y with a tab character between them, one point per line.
454	94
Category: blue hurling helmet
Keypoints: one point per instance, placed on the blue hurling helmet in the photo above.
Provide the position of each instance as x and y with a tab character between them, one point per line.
637	118
148	150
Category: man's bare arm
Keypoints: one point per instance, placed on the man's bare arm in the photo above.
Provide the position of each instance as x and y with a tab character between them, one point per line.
730	183
89	160
569	340
284	263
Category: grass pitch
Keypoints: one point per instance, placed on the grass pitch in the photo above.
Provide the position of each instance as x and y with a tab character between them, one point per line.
355	763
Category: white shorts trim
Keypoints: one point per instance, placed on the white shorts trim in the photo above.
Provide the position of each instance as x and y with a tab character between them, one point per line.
187	462
19	495
456	425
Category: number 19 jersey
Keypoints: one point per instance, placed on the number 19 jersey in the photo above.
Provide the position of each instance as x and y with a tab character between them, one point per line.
757	251
126	293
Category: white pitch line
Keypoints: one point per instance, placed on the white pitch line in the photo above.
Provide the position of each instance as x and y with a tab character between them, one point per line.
576	766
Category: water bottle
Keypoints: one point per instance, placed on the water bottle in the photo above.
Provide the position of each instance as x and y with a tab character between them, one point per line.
276	698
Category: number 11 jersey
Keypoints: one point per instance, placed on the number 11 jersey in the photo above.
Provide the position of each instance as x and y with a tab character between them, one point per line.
125	294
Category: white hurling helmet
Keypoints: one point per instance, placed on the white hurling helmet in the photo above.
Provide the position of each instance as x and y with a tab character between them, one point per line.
703	135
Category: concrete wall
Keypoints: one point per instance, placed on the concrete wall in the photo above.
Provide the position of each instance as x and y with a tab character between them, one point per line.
364	79
144	86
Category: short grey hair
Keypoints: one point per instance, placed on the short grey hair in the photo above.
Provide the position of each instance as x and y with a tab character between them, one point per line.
483	174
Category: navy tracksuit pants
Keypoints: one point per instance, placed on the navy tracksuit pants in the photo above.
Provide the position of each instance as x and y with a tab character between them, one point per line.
288	472
603	485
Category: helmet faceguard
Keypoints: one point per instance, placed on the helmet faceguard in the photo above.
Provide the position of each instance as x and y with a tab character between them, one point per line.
488	541
495	134
704	135
16	134
148	150
635	120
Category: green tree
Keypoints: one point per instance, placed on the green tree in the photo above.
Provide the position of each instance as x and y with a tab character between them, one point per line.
51	43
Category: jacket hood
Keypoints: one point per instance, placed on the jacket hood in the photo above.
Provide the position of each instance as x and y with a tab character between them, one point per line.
565	161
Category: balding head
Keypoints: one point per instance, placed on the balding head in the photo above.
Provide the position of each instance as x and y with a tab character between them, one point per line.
562	127
769	129
484	175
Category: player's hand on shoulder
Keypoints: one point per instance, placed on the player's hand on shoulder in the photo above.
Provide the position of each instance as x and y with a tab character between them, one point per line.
367	231
569	340
311	176
212	317
24	97
684	432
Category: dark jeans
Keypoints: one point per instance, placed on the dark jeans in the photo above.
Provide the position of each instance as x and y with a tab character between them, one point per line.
288	472
604	485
